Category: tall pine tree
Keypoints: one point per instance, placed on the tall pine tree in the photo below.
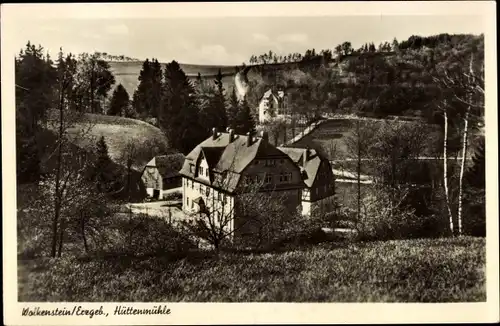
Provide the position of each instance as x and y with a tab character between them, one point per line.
156	88
119	101
35	78
180	119
233	109
213	112
141	101
244	120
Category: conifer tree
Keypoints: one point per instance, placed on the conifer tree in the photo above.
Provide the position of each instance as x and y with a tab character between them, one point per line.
233	109
103	174
141	100
119	101
244	120
213	113
180	114
156	89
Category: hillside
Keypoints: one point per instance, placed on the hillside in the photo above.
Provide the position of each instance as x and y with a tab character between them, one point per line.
375	84
127	73
118	133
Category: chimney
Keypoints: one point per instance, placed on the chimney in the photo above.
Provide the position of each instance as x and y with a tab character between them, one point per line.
249	138
307	154
263	135
231	135
214	133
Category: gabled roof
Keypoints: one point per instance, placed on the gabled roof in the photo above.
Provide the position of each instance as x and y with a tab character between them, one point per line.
311	166
167	165
227	160
279	95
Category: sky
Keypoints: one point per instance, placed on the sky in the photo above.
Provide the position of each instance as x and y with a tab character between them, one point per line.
229	40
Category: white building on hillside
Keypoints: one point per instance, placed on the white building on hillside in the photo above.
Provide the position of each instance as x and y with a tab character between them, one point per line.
273	105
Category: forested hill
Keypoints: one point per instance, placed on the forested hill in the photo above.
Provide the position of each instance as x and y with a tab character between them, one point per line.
393	79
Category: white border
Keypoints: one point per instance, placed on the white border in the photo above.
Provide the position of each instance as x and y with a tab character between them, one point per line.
249	313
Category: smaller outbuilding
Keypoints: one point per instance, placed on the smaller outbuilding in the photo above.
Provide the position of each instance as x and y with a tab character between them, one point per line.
162	173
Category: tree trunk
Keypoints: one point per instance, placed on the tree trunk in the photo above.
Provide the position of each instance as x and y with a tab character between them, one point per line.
57	195
61	237
359	175
84	236
462	169
445	170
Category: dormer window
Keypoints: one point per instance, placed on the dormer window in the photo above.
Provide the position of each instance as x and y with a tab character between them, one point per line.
200	170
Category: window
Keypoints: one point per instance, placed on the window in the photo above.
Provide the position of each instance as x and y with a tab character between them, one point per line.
224	199
200	172
202	188
187	201
191	168
270	162
207	191
218	196
206	172
192	184
269	178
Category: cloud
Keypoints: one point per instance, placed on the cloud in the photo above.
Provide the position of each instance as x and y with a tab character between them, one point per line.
218	54
118	29
260	37
293	38
90	35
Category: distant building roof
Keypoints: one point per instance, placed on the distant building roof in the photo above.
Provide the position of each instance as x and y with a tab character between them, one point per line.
279	95
167	165
227	159
310	166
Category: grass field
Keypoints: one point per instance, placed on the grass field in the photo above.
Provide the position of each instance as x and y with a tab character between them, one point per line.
335	132
127	73
437	270
118	132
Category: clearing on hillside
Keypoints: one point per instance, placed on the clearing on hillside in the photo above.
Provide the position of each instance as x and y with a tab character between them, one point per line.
127	74
118	132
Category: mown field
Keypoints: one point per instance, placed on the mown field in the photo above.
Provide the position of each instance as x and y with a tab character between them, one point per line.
127	73
331	135
427	270
118	133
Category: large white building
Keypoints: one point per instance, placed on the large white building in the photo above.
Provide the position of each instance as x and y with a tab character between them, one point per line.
273	105
216	172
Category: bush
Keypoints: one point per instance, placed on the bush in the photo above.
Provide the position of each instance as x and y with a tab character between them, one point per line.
145	235
173	196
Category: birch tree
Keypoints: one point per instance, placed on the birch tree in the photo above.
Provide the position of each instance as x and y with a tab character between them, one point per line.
465	83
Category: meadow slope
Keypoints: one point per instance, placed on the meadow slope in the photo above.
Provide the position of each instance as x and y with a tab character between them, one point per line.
426	270
118	132
127	74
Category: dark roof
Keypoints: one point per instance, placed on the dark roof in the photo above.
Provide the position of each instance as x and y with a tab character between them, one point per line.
167	165
311	167
227	160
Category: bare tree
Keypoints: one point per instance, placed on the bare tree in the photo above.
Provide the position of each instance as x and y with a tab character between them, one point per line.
467	87
359	145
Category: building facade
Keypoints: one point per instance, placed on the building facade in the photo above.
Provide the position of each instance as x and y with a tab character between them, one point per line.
161	174
273	105
318	194
226	172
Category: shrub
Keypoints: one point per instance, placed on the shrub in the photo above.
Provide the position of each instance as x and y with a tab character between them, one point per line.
173	196
145	235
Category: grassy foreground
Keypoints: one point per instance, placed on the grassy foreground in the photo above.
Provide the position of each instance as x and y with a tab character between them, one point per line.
439	270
